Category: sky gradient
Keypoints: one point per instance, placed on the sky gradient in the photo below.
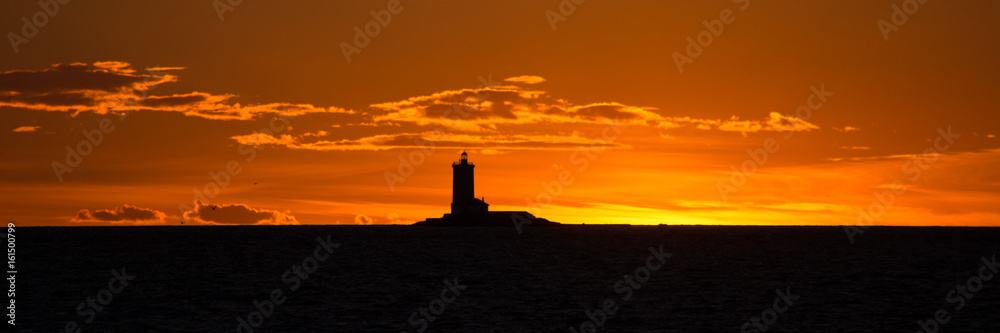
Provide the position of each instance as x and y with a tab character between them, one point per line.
642	112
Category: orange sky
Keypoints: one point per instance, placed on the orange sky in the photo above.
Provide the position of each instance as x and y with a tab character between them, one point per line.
256	110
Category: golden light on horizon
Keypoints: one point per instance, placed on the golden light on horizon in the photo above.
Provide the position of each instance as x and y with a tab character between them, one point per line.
775	114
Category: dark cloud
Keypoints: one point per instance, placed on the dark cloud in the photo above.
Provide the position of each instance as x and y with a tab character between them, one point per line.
71	77
236	214
77	86
605	111
65	99
108	86
126	214
363	219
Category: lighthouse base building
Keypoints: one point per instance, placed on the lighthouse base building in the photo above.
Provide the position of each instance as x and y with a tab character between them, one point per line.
467	210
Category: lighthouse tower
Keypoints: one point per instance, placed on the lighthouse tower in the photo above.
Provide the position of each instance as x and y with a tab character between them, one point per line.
463	180
468	211
463	197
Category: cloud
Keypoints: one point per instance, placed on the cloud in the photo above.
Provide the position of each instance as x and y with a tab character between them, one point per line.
125	214
393	218
237	214
526	79
779	122
363	219
114	66
177	100
164	69
774	122
492	118
502	118
76	77
113	86
487	109
76	87
742	126
846	129
432	140
491	151
27	129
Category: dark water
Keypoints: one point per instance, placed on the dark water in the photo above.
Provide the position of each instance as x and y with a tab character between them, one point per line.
201	279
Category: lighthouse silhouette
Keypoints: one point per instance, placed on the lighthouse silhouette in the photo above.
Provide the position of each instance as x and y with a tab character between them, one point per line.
463	188
467	210
463	179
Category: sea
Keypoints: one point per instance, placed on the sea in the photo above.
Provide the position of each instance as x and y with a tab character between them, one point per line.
572	278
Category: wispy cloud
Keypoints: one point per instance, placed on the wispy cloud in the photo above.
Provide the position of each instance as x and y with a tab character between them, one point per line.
846	129
485	109
492	118
487	142
526	79
23	129
113	86
500	118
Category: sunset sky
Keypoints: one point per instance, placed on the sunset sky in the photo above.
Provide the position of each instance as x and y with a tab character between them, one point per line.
279	112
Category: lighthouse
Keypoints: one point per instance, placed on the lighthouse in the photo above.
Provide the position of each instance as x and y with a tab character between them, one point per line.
463	180
469	211
463	188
